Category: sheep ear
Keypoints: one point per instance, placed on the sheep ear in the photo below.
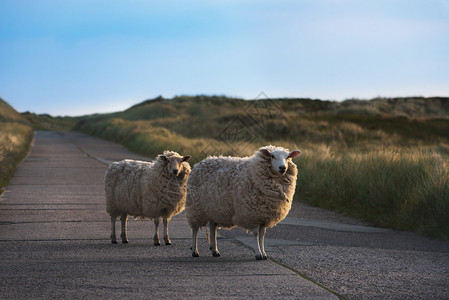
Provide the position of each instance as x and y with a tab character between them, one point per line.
265	152
186	158
294	153
163	157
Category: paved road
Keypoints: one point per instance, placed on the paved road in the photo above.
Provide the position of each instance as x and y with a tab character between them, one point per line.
54	242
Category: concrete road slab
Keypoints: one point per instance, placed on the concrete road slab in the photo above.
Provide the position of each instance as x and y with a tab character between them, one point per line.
54	242
372	273
140	271
332	225
54	239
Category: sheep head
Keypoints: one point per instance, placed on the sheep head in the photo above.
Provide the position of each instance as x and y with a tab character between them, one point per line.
279	157
173	161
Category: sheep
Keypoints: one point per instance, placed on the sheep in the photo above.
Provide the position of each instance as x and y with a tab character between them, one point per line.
146	190
253	193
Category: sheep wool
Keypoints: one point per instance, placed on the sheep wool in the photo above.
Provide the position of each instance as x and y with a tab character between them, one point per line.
146	190
253	193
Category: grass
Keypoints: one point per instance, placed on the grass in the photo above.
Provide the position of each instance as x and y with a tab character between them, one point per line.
16	135
384	160
47	122
406	189
143	138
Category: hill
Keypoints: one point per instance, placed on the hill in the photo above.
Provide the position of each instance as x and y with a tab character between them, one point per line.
383	160
16	135
352	123
48	122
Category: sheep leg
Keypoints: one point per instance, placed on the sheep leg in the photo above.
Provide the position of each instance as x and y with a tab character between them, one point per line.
156	232
113	237
213	235
195	241
257	251
124	219
166	237
262	231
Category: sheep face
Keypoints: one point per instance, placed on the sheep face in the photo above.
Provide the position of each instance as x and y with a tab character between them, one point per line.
174	163
279	159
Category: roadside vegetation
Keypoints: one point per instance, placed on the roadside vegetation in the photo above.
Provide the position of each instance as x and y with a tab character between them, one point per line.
48	122
16	135
383	160
394	187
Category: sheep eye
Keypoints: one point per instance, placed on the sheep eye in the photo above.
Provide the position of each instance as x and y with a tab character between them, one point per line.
272	156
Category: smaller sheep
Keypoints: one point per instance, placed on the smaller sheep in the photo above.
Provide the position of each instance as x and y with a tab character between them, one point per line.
146	190
253	193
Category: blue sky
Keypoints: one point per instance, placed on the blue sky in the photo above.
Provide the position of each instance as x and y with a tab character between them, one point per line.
86	56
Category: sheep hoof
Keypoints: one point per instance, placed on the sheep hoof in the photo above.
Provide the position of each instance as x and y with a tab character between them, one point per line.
264	257
113	242
168	243
216	254
195	254
259	257
157	243
125	242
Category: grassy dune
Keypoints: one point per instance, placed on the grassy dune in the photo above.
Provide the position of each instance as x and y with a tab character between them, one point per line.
16	135
384	160
47	122
399	188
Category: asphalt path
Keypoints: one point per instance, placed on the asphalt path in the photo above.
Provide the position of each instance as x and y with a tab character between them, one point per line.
54	243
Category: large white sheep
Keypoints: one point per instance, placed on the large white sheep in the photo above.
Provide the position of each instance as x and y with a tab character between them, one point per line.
147	190
253	193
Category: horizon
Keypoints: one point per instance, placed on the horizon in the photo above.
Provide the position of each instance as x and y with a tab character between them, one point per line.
83	57
263	97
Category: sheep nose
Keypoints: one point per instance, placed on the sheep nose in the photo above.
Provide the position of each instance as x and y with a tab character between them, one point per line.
282	169
175	171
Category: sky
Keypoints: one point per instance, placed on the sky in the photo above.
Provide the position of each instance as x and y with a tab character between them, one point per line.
77	57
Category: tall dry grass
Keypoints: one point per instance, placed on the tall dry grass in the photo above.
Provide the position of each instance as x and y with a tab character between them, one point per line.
15	139
381	161
143	138
406	189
